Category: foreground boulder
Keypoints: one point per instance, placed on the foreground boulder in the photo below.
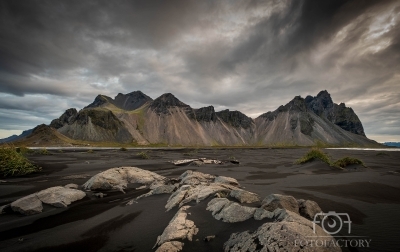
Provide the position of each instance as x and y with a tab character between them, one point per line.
60	196
291	234
187	193
229	211
119	178
27	205
195	178
274	201
308	208
244	196
57	196
179	228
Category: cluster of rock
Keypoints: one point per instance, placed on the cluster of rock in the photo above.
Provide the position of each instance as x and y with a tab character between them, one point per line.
287	216
286	219
285	235
57	196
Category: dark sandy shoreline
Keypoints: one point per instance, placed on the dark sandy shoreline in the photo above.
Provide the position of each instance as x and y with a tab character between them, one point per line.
370	196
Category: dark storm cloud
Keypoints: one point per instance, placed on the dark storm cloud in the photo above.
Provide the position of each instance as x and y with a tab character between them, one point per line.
246	55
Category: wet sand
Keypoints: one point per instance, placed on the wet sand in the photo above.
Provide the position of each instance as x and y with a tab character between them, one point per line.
371	196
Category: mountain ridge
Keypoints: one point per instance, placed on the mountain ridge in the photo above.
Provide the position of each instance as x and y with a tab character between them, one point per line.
138	119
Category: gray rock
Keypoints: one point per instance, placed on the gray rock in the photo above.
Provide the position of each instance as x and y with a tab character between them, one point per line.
179	228
72	186
184	161
244	196
195	178
201	192
119	178
164	189
226	180
281	236
3	208
217	204
100	195
177	197
261	213
308	208
229	211
158	190
172	246
211	161
59	196
197	163
274	201
27	205
209	238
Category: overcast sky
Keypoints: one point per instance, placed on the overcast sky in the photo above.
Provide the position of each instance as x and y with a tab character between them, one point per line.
250	56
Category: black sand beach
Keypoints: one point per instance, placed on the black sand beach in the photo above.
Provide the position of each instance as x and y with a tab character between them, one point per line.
371	197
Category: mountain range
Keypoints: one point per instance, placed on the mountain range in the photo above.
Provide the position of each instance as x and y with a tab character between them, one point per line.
137	119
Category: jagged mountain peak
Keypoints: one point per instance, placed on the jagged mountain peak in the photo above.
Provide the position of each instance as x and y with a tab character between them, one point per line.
99	101
205	114
235	118
138	94
131	101
320	104
165	101
65	118
297	104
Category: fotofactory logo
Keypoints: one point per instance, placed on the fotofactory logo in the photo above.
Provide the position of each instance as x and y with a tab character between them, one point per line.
333	223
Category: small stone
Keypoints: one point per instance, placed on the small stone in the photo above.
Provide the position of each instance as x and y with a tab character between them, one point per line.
208	238
100	195
72	186
4	208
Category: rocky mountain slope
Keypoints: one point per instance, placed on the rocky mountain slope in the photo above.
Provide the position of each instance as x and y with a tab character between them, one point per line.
43	135
13	138
136	118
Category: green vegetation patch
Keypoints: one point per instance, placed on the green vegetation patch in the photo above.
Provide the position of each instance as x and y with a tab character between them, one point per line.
382	154
123	149
143	155
14	163
346	161
314	154
44	151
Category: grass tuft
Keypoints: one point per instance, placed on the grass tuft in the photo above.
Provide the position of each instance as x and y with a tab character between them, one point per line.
316	153
14	163
143	155
90	151
44	151
343	162
382	154
123	149
313	154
